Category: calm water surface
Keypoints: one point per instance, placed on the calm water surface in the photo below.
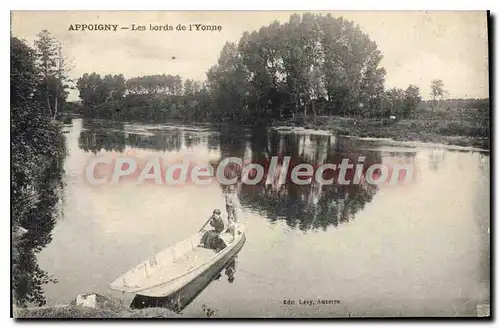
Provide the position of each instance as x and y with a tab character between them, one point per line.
420	248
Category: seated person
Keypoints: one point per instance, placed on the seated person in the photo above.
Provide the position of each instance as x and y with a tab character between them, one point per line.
211	238
216	221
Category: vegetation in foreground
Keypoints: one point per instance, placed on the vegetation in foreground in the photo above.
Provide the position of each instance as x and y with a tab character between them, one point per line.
38	152
107	308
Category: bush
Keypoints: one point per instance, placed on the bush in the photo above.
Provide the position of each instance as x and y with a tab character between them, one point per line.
38	151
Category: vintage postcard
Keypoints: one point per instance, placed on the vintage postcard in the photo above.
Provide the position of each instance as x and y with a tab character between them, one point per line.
276	164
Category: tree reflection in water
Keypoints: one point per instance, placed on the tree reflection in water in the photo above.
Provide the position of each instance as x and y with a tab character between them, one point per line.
37	213
310	206
114	136
305	207
101	135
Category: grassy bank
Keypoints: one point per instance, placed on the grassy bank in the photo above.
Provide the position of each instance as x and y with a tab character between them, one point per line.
78	312
464	128
107	307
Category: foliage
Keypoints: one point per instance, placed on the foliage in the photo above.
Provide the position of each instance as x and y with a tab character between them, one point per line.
155	84
22	72
400	103
411	100
481	105
312	64
52	69
437	88
437	92
38	151
288	69
95	90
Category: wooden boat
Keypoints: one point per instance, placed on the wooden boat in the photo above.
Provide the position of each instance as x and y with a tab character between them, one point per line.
177	266
180	299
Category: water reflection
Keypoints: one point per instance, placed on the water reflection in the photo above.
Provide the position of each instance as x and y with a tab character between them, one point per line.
38	211
180	299
306	207
436	159
415	224
114	136
310	206
102	135
27	276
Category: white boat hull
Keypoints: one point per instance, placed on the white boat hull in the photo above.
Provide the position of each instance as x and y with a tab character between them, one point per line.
176	266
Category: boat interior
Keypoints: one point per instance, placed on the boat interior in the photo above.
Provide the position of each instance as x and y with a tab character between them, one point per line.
175	261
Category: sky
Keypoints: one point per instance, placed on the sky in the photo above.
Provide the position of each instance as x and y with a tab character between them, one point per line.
417	46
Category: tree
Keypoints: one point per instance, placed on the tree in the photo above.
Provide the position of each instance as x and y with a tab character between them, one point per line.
53	67
91	89
23	73
94	90
399	102
437	92
286	69
191	87
114	87
227	82
393	102
168	85
37	151
411	99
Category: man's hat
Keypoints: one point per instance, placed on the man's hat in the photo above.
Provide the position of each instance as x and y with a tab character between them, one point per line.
217	211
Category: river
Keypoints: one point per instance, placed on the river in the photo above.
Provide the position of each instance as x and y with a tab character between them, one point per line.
415	248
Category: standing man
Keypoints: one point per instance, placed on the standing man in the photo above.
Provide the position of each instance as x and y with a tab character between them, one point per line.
230	207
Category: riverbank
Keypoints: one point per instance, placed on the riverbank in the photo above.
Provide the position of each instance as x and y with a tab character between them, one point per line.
465	128
106	307
443	128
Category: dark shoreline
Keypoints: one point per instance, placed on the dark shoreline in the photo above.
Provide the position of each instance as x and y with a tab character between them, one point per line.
440	130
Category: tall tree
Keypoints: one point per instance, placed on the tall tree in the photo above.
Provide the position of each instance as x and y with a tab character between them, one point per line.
394	102
113	87
437	92
95	90
23	73
53	67
227	82
288	68
411	99
91	89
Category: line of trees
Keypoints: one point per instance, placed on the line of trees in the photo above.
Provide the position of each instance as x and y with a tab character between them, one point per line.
95	90
151	97
39	86
310	65
480	104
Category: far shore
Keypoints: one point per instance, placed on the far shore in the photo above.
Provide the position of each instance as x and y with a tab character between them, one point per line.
464	133
454	128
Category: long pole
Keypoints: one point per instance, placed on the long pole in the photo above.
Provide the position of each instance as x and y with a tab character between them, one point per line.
203	227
